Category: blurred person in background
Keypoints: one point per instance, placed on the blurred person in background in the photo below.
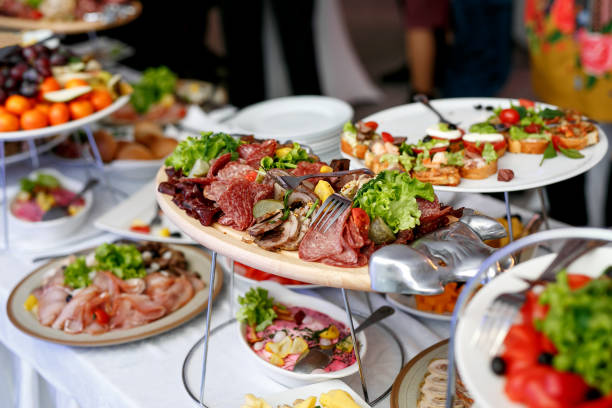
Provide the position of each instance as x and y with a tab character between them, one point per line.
570	45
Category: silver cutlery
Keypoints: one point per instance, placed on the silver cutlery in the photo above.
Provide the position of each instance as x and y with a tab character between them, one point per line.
62	211
329	212
321	358
425	101
294	181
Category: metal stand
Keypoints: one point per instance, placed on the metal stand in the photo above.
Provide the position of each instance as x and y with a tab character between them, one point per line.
5	203
213	265
508	216
543	206
349	316
33	153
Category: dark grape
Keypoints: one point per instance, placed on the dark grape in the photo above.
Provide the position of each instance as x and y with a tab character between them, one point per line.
498	365
5	71
18	70
545	358
43	67
10	84
427	138
31	75
28	89
39	48
58	59
29	53
593	394
2	78
3	96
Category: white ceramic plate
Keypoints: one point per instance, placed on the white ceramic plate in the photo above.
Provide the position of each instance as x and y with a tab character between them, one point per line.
298	118
25	321
407	303
139	205
413	119
473	364
406	388
226	264
289	298
313	390
25	154
65	127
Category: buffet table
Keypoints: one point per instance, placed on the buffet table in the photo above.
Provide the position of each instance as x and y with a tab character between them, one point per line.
148	372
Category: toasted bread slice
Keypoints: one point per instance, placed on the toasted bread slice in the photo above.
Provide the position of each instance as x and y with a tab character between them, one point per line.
358	151
529	146
579	143
477	169
442	176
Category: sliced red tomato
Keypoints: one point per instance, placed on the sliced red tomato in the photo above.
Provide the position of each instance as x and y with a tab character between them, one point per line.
251	175
515	384
143	229
509	116
450	140
387	137
361	220
101	316
576	281
533	128
547	387
532	310
522	347
557	143
431	151
258	275
372	125
526	103
604	402
478	148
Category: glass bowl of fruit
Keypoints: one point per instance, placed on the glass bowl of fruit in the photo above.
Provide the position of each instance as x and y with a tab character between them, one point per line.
38	193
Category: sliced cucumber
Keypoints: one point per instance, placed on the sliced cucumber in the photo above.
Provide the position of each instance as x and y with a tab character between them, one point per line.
264	207
380	233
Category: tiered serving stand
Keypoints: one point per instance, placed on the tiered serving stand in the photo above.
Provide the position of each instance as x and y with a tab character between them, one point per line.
397	121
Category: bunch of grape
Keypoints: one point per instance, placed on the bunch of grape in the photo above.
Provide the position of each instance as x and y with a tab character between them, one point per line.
23	70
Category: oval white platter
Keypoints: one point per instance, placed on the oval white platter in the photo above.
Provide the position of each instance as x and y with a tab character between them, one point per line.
65	127
25	321
407	303
412	120
474	365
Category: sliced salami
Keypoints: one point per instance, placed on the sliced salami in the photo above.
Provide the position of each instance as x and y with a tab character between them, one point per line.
253	153
304	168
214	191
238	199
234	170
218	163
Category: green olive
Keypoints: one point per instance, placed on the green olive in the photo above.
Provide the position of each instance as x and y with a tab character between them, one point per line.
380	233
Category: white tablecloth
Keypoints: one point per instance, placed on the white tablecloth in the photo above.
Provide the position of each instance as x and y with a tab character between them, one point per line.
148	373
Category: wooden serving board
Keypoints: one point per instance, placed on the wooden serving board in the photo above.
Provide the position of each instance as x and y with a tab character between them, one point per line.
67	27
227	241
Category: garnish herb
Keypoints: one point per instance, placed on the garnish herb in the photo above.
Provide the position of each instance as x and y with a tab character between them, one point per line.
286	210
571	153
76	275
549	153
207	147
550	113
257	309
288	160
488	153
312	208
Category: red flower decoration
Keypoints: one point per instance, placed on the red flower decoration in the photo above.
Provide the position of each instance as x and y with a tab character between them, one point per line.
595	52
564	16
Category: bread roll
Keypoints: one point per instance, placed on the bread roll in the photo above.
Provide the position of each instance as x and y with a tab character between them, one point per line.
107	145
134	151
146	133
162	147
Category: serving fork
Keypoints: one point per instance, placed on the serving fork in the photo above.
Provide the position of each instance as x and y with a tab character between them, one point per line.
500	314
294	181
328	213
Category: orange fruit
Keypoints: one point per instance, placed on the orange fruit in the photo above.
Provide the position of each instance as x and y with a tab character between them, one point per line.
8	122
43	107
73	83
33	119
59	113
3	110
80	109
17	104
101	99
50	84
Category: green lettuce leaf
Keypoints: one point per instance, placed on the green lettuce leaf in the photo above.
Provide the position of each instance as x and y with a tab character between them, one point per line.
206	147
349	128
124	261
76	275
454	159
483	127
392	197
288	161
256	308
488	153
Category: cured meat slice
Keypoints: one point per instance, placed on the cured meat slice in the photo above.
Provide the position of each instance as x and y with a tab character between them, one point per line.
253	153
237	201
234	170
214	191
175	295
317	245
218	163
71	319
51	301
304	168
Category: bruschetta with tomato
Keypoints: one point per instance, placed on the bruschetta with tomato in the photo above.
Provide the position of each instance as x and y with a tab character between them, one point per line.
355	139
481	164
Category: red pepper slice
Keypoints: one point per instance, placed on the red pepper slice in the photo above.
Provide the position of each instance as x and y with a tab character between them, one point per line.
387	137
478	149
361	220
251	175
533	128
431	151
101	316
526	103
576	281
372	125
143	229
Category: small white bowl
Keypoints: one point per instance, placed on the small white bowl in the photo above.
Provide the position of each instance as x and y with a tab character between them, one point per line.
289	298
55	229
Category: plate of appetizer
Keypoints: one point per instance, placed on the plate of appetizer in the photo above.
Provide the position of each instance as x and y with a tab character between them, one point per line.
41	191
326	394
252	276
558	351
138	217
437	307
279	327
422	382
113	294
493	145
228	195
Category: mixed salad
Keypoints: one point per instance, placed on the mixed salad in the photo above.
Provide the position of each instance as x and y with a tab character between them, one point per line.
560	354
39	194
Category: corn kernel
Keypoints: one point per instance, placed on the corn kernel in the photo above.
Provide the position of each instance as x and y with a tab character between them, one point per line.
323	190
325	169
30	303
164	232
331	333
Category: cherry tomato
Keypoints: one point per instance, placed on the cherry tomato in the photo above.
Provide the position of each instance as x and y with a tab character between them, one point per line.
576	281
557	143
251	175
361	220
532	310
387	137
522	347
450	140
533	128
372	125
101	316
604	402
431	151
143	229
526	103
478	149
509	116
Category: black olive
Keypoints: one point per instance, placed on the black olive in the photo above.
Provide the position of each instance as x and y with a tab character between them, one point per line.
500	127
176	234
452	126
592	394
478	107
427	138
498	365
68	298
608	271
489	107
545	358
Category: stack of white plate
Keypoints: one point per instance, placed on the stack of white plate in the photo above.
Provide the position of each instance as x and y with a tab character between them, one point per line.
315	121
